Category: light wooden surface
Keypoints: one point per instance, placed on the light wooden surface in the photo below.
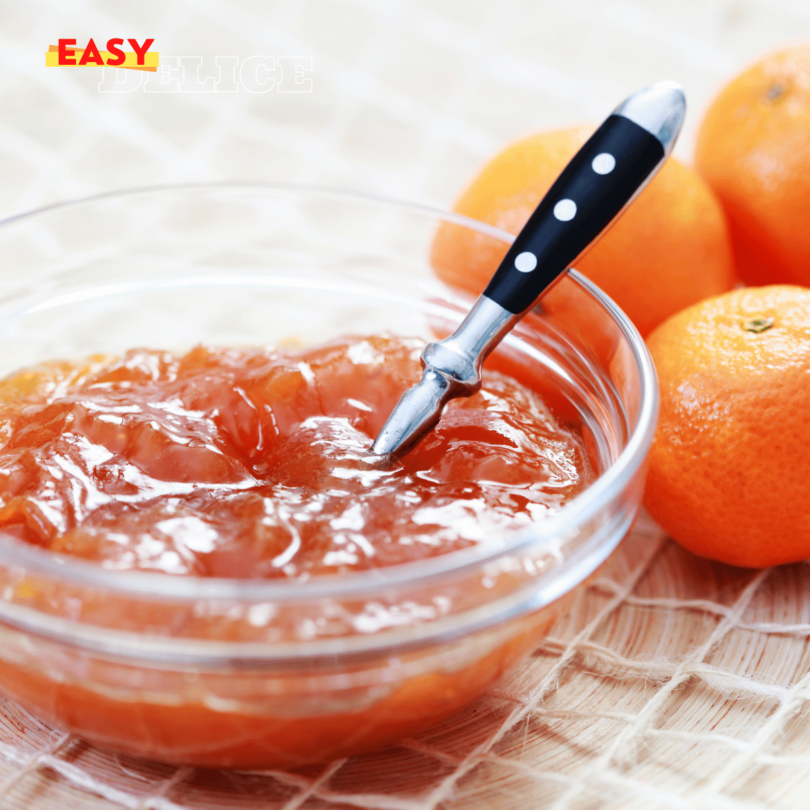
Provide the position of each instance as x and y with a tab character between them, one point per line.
674	683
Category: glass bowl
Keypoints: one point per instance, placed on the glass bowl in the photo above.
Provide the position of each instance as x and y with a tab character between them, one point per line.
257	673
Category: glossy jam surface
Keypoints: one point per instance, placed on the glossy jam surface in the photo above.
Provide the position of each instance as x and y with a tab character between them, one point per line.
255	463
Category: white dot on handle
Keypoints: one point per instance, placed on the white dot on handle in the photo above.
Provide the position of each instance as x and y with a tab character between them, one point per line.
525	262
565	210
603	163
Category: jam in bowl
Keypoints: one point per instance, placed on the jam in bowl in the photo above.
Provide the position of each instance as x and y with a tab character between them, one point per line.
200	562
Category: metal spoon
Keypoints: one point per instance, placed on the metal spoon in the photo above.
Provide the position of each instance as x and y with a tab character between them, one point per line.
601	180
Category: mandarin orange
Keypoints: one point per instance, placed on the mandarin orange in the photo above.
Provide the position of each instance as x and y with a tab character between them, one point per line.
729	469
753	148
668	250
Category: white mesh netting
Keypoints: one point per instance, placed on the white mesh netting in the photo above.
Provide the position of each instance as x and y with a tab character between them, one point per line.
673	682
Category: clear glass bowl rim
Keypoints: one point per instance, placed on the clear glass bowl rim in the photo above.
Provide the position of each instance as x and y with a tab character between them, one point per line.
573	515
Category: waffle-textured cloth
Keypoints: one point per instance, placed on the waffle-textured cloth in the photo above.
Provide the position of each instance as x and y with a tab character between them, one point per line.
673	683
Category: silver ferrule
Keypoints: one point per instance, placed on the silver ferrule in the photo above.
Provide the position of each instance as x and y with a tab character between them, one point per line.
452	368
660	109
460	356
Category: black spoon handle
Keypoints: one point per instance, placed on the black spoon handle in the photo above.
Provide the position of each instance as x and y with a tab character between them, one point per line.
601	179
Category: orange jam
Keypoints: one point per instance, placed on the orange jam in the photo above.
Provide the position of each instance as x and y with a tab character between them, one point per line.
256	463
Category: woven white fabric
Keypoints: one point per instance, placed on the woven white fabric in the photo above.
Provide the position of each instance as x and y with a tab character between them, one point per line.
669	684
